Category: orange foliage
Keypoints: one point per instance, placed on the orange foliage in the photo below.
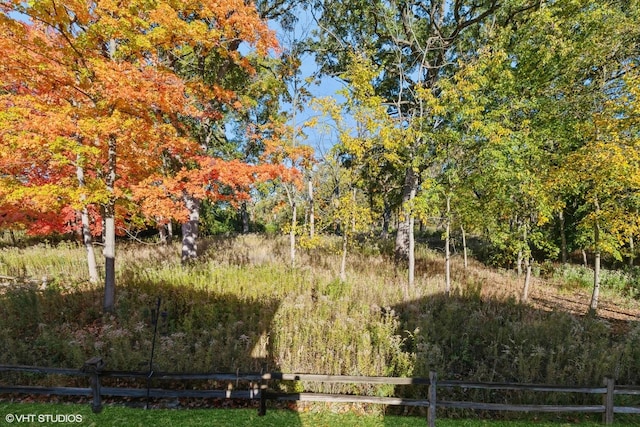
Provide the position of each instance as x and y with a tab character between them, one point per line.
79	74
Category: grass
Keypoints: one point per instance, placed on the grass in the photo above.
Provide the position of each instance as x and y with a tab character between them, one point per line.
242	305
622	284
123	416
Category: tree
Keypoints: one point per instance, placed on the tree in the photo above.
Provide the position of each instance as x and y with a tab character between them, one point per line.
574	57
606	170
414	44
353	218
95	86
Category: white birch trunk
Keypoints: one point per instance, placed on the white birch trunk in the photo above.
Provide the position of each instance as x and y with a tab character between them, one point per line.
190	229
110	231
87	239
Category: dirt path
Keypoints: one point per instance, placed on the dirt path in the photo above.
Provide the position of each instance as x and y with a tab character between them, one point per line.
549	295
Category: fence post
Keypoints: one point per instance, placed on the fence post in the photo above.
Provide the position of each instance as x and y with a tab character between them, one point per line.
94	367
262	410
431	412
608	400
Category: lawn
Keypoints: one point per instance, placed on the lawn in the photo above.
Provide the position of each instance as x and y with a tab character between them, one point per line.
39	414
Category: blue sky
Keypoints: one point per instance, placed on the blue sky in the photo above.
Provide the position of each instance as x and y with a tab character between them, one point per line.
321	141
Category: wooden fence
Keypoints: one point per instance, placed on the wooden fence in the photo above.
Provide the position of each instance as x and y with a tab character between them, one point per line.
259	386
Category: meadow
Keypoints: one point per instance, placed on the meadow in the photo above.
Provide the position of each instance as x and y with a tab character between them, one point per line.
242	307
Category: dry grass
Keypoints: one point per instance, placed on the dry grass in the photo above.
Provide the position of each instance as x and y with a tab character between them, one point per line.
242	305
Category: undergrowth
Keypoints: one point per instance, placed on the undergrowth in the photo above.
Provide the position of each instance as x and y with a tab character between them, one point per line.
625	282
242	306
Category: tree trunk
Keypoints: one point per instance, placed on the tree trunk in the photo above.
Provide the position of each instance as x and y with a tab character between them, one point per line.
165	232
412	252
386	220
292	233
593	307
162	232
527	279
585	262
405	242
563	239
109	250
353	217
513	224
190	229
109	259
464	247
87	239
519	263
343	263
405	223
312	217
632	254
447	250
244	217
526	254
110	231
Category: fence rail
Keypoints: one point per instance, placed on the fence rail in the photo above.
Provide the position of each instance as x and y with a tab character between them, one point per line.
258	388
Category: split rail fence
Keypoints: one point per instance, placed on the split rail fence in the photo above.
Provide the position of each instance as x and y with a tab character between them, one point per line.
258	386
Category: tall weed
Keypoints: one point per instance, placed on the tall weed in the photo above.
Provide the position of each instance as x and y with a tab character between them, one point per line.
242	306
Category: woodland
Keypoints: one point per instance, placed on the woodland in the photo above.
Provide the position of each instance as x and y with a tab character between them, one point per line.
515	122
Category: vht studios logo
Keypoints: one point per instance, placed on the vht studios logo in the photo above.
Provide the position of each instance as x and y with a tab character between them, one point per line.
43	418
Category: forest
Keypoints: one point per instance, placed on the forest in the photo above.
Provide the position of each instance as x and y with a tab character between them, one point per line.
514	122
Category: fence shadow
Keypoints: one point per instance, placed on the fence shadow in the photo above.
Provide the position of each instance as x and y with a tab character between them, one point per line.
461	337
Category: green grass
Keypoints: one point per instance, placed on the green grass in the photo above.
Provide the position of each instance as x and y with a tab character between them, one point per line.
131	417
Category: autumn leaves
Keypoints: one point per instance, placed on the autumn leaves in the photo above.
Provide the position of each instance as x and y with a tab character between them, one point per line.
110	93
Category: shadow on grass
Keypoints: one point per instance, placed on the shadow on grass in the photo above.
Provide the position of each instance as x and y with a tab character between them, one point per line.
461	337
467	337
156	327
